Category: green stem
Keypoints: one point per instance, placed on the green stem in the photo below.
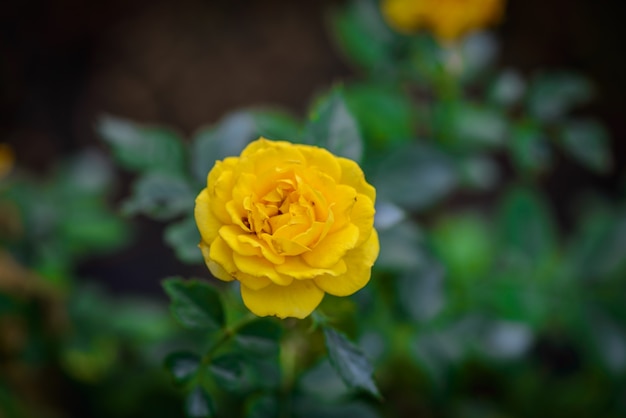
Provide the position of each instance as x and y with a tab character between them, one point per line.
226	335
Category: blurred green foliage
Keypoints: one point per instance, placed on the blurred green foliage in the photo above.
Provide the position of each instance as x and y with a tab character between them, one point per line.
483	302
67	347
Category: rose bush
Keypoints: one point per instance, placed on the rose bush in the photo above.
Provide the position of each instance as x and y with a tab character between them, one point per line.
290	223
447	19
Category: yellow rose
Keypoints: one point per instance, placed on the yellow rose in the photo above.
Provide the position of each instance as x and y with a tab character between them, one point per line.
6	159
290	223
447	19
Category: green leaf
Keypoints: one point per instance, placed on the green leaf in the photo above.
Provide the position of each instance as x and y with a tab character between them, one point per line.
264	406
160	196
183	366
143	148
351	364
277	125
527	233
435	350
385	113
479	172
588	142
184	237
263	372
145	321
225	139
88	228
195	304
551	96
529	148
517	291
400	246
507	89
333	127
470	125
362	34
426	60
321	382
260	337
307	407
464	244
198	404
505	340
598	249
227	371
90	172
609	340
420	292
230	136
387	215
478	53
415	177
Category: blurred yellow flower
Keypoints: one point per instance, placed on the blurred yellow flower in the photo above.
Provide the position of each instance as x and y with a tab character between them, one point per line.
290	223
447	19
6	159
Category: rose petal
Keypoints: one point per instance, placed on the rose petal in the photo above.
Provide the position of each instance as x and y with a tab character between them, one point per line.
231	234
222	254
266	252
207	222
362	216
296	300
298	269
220	184
329	250
359	262
258	266
311	235
270	156
285	246
317	201
352	175
216	270
236	214
263	144
244	186
322	160
344	199
253	282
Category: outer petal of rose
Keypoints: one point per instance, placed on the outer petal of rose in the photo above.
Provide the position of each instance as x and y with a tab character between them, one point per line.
344	199
220	184
215	269
352	175
333	247
275	158
218	271
253	282
207	222
258	266
322	160
260	144
220	253
362	216
262	155
296	300
359	262
298	269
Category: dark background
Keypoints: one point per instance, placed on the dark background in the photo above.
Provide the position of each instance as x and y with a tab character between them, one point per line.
185	63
